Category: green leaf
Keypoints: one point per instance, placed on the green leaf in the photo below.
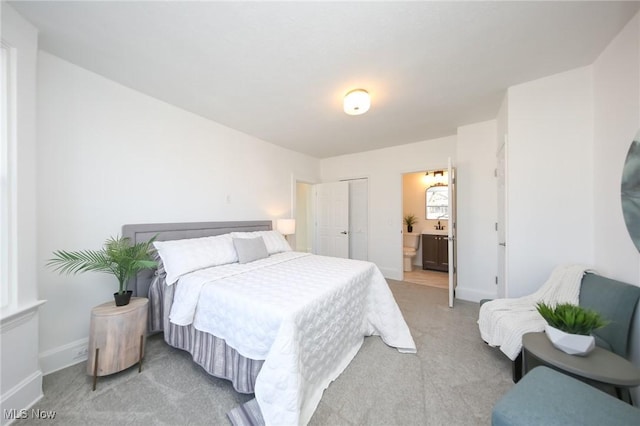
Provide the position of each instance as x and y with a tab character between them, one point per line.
117	257
410	219
571	318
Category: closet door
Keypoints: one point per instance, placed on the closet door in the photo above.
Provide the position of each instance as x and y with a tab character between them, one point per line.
359	219
332	219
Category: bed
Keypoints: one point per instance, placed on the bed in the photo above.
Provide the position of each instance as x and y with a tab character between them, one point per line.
280	324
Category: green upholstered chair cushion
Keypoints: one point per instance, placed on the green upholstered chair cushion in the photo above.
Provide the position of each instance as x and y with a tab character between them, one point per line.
547	397
616	301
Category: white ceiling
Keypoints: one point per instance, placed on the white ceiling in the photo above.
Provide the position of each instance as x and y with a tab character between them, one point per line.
279	70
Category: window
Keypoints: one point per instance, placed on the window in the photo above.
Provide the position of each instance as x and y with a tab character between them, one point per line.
437	202
5	179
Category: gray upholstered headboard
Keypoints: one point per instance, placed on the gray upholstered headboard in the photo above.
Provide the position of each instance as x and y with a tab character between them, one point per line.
178	231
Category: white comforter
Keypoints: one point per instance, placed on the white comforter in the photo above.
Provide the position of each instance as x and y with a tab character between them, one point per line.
305	315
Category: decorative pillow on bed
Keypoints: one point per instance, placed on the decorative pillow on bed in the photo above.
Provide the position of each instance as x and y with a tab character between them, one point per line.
183	256
250	249
273	240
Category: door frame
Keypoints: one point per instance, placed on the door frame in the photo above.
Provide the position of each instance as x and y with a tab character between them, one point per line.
452	232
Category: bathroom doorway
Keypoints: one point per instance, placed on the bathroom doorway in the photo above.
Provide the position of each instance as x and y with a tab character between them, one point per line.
428	205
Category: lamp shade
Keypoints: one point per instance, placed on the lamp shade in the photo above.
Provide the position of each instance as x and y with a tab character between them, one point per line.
357	102
286	226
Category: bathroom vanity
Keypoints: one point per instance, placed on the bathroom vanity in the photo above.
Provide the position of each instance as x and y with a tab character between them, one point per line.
435	251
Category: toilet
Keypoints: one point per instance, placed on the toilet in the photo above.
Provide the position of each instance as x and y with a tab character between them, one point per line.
409	249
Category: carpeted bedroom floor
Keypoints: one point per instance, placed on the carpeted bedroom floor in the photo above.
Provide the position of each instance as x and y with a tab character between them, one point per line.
454	379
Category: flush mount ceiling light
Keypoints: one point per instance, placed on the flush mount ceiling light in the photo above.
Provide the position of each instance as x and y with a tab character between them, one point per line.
357	102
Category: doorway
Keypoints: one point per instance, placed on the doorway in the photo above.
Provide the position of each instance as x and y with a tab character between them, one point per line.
428	213
415	189
304	218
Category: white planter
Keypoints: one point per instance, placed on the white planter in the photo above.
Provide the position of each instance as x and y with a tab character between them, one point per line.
573	344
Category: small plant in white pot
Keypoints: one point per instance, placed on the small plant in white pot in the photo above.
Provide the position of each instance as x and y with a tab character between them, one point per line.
117	257
569	327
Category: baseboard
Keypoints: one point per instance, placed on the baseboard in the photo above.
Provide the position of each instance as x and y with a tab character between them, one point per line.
391	273
64	356
472	295
17	400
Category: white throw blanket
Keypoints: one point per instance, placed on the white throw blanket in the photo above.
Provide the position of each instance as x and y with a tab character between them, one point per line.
503	322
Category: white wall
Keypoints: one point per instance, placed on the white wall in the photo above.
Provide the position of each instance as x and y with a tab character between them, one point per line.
109	156
550	192
617	112
474	159
21	378
616	78
384	168
477	211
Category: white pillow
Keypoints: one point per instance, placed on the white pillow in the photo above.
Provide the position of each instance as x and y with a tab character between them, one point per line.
183	256
250	249
274	240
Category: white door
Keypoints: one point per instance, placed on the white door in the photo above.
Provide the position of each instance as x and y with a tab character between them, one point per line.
332	219
358	219
501	225
453	275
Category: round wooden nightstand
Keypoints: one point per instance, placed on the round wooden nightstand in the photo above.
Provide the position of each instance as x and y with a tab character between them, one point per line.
116	337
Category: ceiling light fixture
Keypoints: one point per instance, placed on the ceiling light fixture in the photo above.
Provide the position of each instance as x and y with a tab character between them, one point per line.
357	102
435	178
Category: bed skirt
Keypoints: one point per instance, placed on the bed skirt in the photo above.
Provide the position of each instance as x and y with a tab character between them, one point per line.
210	352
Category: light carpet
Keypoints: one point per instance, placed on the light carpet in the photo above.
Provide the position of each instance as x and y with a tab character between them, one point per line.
454	379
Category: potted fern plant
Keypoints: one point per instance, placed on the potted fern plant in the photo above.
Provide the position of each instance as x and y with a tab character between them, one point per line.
569	327
410	220
118	257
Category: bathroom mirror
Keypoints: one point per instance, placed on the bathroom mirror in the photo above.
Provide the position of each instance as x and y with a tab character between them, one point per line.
630	191
437	202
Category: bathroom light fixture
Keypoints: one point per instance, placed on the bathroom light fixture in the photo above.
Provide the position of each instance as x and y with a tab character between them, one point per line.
428	179
435	178
357	102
